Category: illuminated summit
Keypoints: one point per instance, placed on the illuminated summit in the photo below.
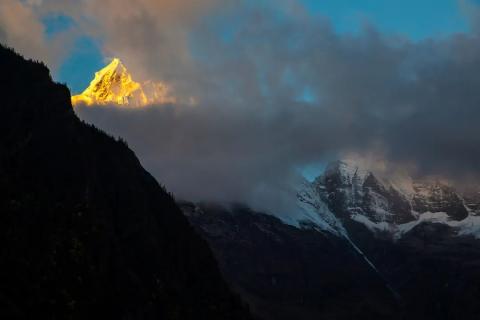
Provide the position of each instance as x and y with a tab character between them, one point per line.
114	85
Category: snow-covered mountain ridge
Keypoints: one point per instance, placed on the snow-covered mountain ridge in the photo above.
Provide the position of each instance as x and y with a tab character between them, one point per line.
347	194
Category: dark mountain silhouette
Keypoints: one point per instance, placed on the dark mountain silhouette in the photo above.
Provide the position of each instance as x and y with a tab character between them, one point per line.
85	231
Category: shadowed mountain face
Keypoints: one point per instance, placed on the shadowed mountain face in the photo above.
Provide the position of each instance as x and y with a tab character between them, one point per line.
289	273
85	231
286	272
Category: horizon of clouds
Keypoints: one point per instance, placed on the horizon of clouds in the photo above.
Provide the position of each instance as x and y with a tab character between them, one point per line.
280	90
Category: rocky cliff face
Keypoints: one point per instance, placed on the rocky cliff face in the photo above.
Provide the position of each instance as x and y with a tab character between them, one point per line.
438	197
348	189
354	196
85	231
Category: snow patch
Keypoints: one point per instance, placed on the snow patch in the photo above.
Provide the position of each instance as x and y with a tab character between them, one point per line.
372	226
469	226
315	211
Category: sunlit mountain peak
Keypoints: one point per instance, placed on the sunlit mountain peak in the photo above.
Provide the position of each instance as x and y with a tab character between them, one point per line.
114	85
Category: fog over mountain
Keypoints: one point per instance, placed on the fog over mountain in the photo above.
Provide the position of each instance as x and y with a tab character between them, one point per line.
266	109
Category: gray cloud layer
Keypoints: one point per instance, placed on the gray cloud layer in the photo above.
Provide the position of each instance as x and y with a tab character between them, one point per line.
279	89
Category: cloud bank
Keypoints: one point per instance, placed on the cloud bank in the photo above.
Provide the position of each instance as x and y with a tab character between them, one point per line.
21	28
279	89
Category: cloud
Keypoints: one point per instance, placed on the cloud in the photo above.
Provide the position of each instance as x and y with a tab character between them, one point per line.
209	152
21	28
150	36
278	89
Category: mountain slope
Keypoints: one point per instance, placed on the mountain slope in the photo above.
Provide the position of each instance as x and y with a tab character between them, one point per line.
286	272
85	231
306	273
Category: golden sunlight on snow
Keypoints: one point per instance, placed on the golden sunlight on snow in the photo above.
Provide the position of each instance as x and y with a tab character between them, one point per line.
114	85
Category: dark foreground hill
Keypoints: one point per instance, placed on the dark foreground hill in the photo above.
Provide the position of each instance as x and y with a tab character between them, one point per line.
85	231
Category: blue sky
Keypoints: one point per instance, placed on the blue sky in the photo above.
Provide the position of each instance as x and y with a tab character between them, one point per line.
411	18
417	19
85	58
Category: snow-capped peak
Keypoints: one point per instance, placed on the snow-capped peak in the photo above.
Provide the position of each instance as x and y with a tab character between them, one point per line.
114	85
116	66
347	169
346	192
